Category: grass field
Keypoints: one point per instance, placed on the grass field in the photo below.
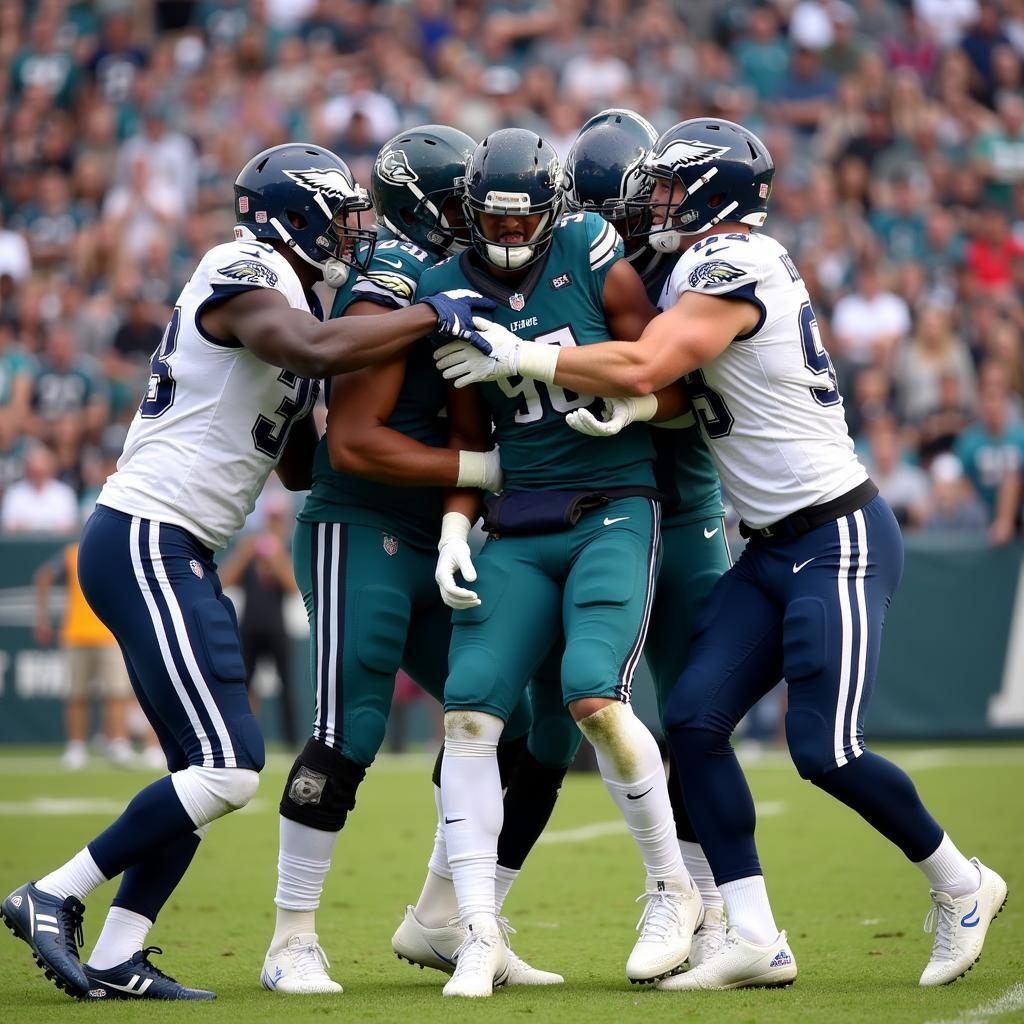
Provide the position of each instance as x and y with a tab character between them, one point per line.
852	906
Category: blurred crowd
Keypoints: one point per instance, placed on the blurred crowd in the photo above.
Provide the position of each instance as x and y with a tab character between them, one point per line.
897	127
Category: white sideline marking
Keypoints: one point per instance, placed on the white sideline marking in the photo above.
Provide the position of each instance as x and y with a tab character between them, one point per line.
1010	1001
600	829
62	807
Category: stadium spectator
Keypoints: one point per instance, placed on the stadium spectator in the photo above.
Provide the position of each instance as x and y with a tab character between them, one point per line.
992	453
868	324
904	487
40	503
954	505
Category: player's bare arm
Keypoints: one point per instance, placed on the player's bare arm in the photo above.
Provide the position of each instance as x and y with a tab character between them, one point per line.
295	340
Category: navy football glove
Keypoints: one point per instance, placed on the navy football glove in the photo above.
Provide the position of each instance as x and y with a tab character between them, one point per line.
455	311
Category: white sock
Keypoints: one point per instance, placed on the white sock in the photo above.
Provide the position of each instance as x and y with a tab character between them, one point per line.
437	904
503	879
750	913
473	812
303	860
632	770
123	935
949	871
79	877
700	871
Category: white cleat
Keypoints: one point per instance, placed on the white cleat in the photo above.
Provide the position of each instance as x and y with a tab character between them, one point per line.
709	938
427	947
299	968
481	962
519	971
666	931
75	757
740	964
960	926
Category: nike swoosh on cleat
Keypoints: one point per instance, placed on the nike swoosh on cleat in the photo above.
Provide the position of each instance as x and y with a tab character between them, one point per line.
629	796
965	920
451	821
797	568
708	535
440	955
609	522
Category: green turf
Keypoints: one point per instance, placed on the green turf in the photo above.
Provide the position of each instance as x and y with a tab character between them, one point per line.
853	908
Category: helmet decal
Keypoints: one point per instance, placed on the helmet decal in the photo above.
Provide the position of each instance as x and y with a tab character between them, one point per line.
688	153
329	180
393	166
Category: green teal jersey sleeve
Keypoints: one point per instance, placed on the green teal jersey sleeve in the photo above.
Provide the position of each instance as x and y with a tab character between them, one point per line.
559	302
410	513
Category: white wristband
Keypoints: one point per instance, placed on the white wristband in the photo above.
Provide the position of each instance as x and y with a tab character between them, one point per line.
454	526
472	470
644	407
538	361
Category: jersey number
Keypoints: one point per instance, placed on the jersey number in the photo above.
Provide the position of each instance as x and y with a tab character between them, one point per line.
816	358
269	434
528	392
159	395
710	406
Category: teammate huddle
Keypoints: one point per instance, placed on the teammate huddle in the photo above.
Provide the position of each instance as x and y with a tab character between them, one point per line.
605	542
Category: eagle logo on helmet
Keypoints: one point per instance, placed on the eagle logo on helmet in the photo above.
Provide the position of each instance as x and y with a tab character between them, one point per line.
393	166
328	180
688	153
249	271
714	273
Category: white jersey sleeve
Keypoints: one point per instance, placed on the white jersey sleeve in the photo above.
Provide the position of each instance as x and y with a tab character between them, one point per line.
215	418
768	405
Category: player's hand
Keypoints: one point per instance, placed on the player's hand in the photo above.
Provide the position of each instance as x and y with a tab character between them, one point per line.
455	312
465	364
453	557
616	415
480	469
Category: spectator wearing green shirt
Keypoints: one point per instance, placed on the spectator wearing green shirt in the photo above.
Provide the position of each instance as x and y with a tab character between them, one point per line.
999	154
992	453
762	55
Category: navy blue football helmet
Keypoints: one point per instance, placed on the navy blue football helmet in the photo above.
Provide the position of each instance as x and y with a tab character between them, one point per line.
303	195
513	171
720	171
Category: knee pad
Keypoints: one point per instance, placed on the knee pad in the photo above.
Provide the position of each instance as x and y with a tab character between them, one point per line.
474	676
365	728
587	665
209	793
471	733
510	752
811	743
321	788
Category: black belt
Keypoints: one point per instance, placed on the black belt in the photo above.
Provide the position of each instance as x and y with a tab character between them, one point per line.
806	519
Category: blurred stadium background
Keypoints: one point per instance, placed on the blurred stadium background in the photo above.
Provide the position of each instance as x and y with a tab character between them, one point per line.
898	130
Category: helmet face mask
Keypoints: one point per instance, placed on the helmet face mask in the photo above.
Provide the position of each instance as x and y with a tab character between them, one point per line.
719	172
304	196
417	186
513	172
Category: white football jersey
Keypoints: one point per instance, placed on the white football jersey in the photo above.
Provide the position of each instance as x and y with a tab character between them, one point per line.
768	404
215	418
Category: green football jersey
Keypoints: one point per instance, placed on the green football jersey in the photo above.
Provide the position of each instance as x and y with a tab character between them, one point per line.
684	468
559	302
411	513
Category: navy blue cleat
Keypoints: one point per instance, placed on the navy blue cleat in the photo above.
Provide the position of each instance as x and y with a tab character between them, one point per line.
139	979
52	927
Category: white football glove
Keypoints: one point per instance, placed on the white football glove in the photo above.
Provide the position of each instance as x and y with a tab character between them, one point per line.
616	415
480	469
453	556
508	356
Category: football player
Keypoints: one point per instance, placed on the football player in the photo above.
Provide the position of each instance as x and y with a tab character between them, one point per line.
365	548
574	546
807	598
604	174
229	380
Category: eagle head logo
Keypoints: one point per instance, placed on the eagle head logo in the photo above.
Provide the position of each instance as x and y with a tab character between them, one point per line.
687	153
714	272
249	271
329	181
393	166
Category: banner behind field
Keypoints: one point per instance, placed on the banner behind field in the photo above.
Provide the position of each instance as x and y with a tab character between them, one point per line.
952	661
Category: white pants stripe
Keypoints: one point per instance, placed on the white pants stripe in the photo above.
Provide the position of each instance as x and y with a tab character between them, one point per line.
328	633
161	638
629	668
862	610
846	643
185	648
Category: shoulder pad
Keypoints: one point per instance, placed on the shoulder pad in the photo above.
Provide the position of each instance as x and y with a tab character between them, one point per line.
719	264
245	263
